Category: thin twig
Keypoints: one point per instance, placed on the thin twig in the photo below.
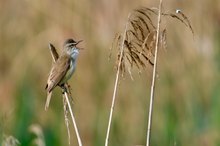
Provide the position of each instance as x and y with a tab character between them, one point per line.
154	77
116	83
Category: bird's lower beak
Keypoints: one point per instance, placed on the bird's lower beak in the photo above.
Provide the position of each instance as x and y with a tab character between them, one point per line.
80	48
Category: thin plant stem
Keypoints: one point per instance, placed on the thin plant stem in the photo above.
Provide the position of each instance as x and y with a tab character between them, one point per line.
116	83
73	119
153	77
65	109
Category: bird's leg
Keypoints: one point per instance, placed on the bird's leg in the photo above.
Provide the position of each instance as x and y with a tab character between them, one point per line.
64	89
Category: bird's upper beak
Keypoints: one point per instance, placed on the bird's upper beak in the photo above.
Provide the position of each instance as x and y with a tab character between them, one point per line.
78	43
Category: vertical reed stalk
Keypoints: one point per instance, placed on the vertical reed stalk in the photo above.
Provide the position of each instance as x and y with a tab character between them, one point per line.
154	76
73	119
116	83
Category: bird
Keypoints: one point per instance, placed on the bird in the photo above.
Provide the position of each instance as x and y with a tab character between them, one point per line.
63	68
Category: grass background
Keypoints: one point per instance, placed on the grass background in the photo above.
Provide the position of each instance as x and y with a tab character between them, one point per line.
187	99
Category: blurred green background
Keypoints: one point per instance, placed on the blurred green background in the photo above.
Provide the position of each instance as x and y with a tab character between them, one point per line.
187	99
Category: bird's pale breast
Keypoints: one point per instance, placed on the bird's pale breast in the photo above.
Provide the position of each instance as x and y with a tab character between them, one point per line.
70	72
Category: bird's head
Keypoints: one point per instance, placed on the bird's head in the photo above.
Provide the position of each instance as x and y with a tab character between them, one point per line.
70	47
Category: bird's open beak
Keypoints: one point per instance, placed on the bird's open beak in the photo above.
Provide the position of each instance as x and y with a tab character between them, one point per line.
78	43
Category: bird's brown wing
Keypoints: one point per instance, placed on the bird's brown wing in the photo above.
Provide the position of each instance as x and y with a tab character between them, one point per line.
57	72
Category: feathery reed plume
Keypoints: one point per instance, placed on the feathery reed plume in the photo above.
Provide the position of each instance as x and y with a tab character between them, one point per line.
140	37
138	47
66	93
139	41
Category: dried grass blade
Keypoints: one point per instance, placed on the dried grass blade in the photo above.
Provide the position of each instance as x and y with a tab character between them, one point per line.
187	20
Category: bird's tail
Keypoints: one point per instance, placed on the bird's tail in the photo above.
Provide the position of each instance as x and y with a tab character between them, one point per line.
49	94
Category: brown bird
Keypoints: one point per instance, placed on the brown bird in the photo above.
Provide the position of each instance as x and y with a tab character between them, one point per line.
63	68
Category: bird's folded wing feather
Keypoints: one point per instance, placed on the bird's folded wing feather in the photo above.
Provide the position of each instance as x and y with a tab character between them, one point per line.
58	72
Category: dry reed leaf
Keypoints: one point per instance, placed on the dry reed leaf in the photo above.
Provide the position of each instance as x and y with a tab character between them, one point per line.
186	19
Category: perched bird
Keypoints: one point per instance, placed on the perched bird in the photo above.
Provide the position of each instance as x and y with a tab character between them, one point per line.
63	68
